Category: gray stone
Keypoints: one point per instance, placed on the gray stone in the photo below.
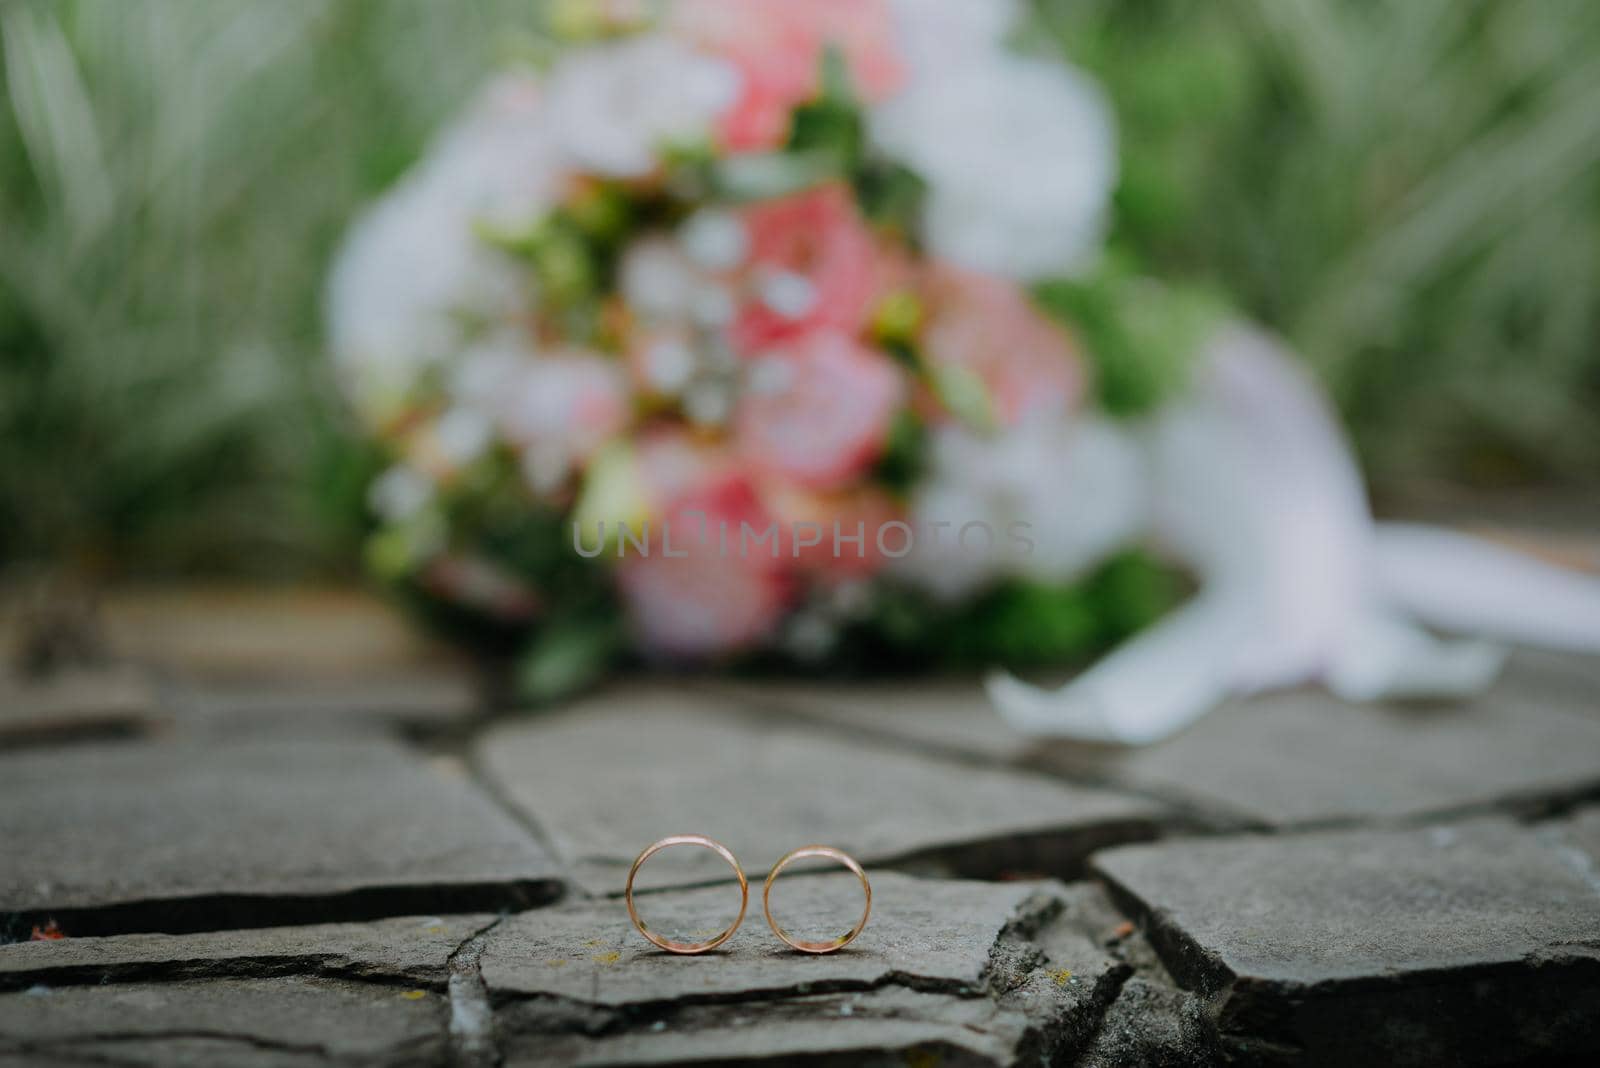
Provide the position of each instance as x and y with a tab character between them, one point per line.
1154	1026
1473	943
949	714
1305	757
1583	830
76	705
290	1021
1301	757
882	1027
937	933
615	773
966	972
423	701
413	948
177	837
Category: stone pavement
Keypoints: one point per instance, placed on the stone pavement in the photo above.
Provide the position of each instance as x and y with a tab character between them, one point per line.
344	872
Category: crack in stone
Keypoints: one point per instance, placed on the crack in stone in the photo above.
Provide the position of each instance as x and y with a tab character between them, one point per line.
497	796
100	1037
472	1043
206	913
1058	1028
307	966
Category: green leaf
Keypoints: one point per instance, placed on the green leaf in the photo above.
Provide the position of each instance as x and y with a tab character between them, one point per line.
566	657
1141	336
905	455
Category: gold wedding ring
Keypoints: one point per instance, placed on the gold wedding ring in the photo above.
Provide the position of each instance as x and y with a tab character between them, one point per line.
705	843
833	944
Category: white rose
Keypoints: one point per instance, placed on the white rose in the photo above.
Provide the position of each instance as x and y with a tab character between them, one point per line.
413	270
1020	159
613	107
1076	490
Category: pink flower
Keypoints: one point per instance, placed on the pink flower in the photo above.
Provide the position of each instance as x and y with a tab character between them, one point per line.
817	411
987	326
714	599
861	512
812	263
777	47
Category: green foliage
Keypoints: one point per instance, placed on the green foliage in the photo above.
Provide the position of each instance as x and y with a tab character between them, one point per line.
1409	189
173	178
564	659
1139	334
1022	624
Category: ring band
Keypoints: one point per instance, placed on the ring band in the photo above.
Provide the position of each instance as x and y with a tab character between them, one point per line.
833	944
706	843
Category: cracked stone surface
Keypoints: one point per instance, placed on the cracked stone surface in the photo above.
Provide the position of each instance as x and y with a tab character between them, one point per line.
888	1027
618	772
1155	1026
930	931
1282	759
179	837
1474	943
286	1021
1306	757
414	948
986	973
940	714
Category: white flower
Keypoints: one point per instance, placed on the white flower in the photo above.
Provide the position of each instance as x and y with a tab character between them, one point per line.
613	107
413	271
1020	160
715	240
559	408
462	434
657	280
1058	497
399	493
937	36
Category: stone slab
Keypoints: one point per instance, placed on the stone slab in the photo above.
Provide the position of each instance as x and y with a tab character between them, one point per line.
1582	829
424	701
413	948
615	773
965	972
176	837
76	705
1469	943
933	932
287	1021
895	1027
1306	757
950	714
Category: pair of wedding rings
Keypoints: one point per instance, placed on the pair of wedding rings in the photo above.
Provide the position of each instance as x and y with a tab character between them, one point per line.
828	946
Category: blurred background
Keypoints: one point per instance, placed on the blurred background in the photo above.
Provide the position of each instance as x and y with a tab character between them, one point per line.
1408	189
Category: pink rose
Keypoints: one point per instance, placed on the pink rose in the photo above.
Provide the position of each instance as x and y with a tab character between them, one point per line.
989	327
812	263
777	47
711	600
863	512
817	411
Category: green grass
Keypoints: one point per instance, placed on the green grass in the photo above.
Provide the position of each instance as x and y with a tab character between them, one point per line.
1409	188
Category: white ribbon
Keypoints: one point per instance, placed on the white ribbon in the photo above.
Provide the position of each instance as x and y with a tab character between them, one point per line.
1255	489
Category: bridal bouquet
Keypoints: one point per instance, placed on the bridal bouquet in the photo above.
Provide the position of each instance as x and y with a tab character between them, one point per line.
765	328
